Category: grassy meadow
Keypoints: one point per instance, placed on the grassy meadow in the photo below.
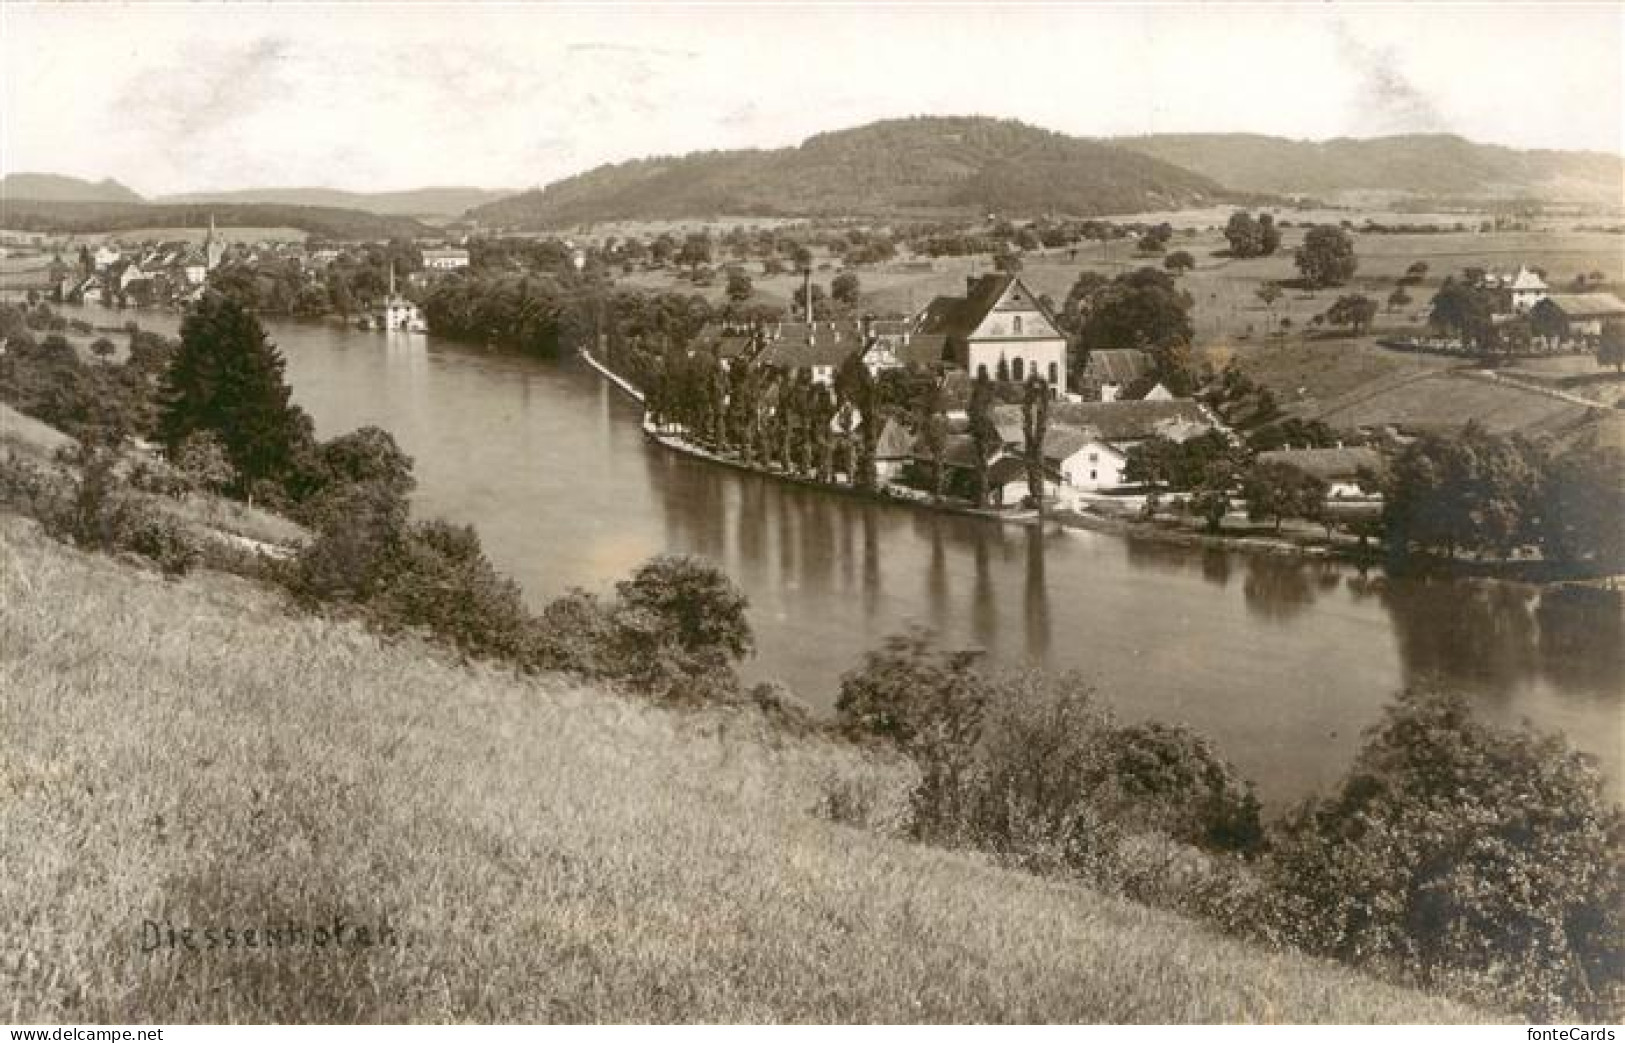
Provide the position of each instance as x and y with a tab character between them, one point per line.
191	753
1345	380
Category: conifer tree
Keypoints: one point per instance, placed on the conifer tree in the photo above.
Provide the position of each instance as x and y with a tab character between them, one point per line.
227	379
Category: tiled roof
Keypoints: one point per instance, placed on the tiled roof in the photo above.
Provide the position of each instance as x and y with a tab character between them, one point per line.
1329	463
1116	365
1587	305
1123	421
796	345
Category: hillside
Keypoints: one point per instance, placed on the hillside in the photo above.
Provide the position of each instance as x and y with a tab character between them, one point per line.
449	201
1424	165
60	189
962	165
191	754
85	217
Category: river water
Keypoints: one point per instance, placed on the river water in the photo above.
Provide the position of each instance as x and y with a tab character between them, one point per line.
1282	662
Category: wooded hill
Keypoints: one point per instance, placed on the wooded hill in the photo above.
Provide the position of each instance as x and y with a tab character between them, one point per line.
60	188
446	201
922	165
34	215
1438	166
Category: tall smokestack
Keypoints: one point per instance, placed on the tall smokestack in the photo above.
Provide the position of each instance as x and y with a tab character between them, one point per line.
806	295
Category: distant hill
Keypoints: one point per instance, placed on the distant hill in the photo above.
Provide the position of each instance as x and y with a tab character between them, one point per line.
1423	165
323	222
61	189
449	201
921	165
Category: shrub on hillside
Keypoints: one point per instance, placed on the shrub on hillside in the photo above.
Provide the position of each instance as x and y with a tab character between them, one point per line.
85	501
674	630
438	577
1031	768
1482	861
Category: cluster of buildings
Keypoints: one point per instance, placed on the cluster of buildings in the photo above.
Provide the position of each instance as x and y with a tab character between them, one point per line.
157	273
1000	330
1557	321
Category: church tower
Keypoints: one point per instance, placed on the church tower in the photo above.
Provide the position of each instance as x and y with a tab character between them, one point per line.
214	250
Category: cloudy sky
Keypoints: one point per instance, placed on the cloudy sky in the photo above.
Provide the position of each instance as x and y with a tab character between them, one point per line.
183	97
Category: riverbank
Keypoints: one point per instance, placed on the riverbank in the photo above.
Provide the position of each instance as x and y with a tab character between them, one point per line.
1164	529
537	849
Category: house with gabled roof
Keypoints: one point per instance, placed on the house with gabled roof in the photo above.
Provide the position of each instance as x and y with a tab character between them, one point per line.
1575	316
816	348
1108	372
998	327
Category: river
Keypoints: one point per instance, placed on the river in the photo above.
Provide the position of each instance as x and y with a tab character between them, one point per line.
1281	661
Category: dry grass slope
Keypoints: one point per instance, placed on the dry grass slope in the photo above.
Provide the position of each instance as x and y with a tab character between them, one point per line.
191	753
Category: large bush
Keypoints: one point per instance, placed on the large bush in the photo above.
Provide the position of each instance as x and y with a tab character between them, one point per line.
674	631
1030	767
1477	860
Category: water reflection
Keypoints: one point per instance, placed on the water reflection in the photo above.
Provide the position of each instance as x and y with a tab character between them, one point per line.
1281	660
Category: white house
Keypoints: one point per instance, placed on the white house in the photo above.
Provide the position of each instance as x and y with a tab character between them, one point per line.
1084	461
1528	289
445	259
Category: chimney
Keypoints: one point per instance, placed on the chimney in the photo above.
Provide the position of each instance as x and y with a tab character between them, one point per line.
806	293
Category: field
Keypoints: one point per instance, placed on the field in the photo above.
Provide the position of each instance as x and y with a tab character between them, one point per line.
191	754
1347	381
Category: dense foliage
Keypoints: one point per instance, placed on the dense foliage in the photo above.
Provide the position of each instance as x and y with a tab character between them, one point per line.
1326	257
227	379
1485	862
963	163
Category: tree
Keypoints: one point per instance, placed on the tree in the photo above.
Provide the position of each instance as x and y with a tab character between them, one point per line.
1211	497
1473	491
202	458
1179	262
1250	237
820	300
695	606
227	378
1326	257
1583	501
1417	271
1034	428
1463	854
1243	235
983	432
1269	293
1466	309
1611	346
932	426
1279	491
1143	309
739	286
1354	310
1398	299
845	289
1008	261
367	454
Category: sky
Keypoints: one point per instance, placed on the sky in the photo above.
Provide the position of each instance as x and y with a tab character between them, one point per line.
192	97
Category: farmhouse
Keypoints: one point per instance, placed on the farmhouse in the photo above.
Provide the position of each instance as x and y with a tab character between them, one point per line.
998	329
1575	316
1125	423
1339	467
